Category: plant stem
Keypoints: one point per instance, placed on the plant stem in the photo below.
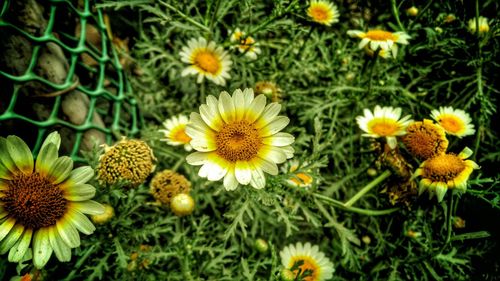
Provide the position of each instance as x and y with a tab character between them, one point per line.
449	219
374	62
395	12
184	16
367	188
367	212
479	76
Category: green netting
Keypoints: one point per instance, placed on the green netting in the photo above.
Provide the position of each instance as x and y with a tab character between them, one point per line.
31	98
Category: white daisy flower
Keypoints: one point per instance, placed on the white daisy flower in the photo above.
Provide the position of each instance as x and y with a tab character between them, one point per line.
382	39
175	131
307	261
384	122
323	12
454	121
246	44
237	138
206	59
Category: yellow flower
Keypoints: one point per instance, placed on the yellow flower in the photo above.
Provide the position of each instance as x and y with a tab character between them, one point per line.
42	202
246	44
454	121
182	204
484	27
384	122
129	161
237	138
167	184
302	258
380	39
323	12
412	11
445	171
175	132
206	59
425	139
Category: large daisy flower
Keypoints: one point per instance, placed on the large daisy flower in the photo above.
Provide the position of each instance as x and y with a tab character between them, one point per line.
454	121
307	262
246	44
377	38
42	203
237	138
175	131
384	122
206	59
323	12
445	171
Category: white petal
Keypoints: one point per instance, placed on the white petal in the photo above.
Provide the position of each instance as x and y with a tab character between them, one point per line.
275	126
230	182
226	107
258	180
197	158
243	172
279	139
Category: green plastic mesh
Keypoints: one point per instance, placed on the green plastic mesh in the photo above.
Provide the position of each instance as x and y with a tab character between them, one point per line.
50	76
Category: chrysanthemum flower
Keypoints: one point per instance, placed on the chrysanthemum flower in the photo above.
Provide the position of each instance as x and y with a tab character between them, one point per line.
306	258
377	38
237	138
484	27
384	122
166	184
454	121
425	139
323	12
269	89
246	44
175	131
129	161
206	59
445	171
42	203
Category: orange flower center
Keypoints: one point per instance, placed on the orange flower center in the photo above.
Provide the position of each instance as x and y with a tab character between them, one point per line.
451	124
309	265
207	61
444	167
179	135
33	201
383	127
319	13
425	139
380	35
238	141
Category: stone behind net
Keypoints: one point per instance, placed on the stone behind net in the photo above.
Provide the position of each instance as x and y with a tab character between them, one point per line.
59	70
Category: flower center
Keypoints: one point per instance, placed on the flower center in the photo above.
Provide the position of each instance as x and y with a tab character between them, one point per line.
180	135
380	35
308	265
383	127
34	201
318	13
238	141
207	61
425	139
451	124
444	167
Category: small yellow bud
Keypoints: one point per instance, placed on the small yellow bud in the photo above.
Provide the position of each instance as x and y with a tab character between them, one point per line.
287	275
261	245
371	172
103	218
412	11
366	239
182	204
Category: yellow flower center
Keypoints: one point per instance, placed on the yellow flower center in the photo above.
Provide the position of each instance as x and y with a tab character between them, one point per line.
451	124
425	139
207	61
179	135
380	35
319	13
238	141
443	168
309	265
246	43
33	201
383	127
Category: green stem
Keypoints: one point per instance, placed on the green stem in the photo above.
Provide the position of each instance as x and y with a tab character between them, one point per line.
339	204
184	16
479	76
374	62
449	219
367	188
395	12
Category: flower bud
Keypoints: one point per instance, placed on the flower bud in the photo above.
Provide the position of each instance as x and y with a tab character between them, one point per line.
182	204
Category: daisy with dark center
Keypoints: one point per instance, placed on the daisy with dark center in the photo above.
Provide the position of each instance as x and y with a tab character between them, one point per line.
42	203
377	39
454	121
424	139
245	44
323	12
445	171
206	59
237	138
306	262
175	132
384	122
